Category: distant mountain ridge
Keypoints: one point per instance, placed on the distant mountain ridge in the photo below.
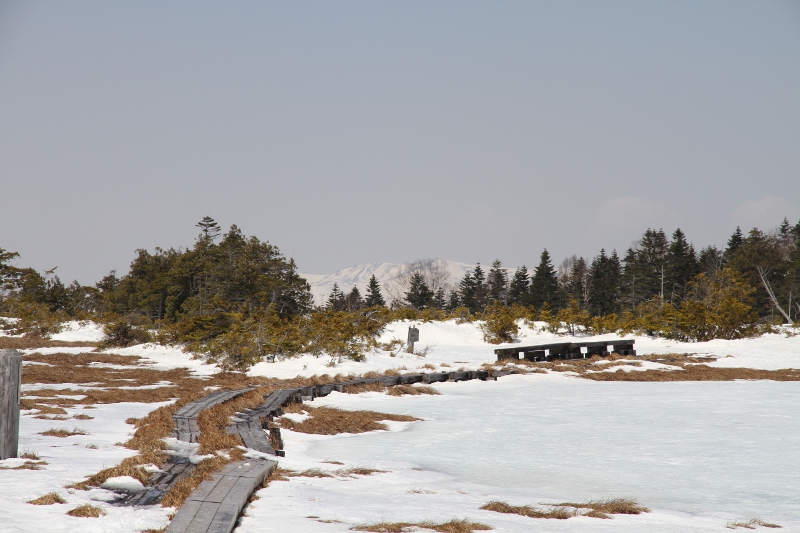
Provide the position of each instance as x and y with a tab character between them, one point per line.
358	276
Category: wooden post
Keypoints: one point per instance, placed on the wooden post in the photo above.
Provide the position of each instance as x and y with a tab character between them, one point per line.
413	336
10	379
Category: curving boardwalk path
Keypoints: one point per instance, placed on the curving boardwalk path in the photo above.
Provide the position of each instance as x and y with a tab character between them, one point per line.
215	506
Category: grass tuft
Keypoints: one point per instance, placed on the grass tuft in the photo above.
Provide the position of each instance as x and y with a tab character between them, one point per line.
87	511
403	390
332	421
49	499
559	512
609	506
750	524
453	526
63	433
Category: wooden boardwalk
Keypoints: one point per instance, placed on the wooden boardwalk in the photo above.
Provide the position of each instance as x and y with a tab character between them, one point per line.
215	506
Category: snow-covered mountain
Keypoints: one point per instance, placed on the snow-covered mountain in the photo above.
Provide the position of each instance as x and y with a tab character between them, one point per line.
322	284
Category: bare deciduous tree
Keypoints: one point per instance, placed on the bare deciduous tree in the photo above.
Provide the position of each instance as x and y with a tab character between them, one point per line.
434	272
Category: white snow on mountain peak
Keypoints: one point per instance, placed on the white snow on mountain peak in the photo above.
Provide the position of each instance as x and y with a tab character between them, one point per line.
358	276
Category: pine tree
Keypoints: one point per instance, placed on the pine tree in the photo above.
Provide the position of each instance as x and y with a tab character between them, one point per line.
497	282
651	258
734	243
210	228
466	292
439	299
544	284
453	302
353	301
374	296
579	283
784	230
335	299
481	289
681	267
419	295
605	286
710	260
519	288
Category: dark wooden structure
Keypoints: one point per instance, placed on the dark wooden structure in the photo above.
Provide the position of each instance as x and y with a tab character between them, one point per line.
566	350
10	386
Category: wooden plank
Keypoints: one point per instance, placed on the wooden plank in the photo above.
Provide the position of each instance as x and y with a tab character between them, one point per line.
10	380
222	488
203	517
184	517
224	520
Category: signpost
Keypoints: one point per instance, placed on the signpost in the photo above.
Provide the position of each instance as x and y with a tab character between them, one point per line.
10	379
413	336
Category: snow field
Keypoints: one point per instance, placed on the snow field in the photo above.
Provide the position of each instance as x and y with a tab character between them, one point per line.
698	454
70	460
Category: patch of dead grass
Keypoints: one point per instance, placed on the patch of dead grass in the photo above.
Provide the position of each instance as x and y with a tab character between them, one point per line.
366	387
31	343
358	471
332	421
609	506
453	526
63	433
50	498
750	524
403	390
558	513
87	511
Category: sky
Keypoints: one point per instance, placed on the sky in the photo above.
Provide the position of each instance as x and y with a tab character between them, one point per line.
351	132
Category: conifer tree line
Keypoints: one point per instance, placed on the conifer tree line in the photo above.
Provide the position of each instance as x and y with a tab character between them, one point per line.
657	268
238	299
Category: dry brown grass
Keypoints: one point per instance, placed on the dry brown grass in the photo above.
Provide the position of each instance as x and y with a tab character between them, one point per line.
453	526
751	524
697	372
358	389
358	471
30	455
311	472
686	368
63	433
559	513
82	417
331	421
87	511
48	499
30	343
609	506
178	494
403	390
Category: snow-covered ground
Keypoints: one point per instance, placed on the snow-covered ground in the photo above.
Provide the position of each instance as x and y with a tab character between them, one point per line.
69	460
698	453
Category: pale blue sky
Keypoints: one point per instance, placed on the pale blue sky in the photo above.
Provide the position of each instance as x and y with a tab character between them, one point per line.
349	132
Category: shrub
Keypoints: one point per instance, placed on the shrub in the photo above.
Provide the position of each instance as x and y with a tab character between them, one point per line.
500	324
122	332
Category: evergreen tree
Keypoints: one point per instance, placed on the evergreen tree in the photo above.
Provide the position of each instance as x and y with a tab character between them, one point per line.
452	302
481	289
497	282
419	295
439	299
681	267
336	299
710	260
374	296
210	228
353	301
734	243
604	290
785	229
519	288
579	282
544	284
466	292
651	259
